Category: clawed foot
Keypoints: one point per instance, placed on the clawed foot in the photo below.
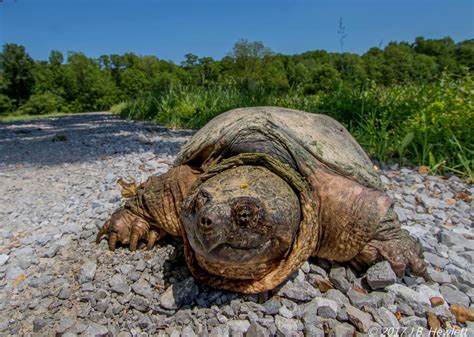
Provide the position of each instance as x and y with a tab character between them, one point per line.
403	252
127	228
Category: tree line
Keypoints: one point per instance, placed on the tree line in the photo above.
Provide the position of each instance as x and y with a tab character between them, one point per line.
76	82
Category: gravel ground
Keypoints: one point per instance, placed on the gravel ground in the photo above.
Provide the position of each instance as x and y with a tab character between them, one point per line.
57	187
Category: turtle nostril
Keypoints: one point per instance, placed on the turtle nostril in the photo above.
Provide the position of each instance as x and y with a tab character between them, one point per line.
205	222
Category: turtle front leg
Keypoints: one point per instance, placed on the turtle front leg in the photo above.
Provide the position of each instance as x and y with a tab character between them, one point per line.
394	244
151	211
358	224
128	228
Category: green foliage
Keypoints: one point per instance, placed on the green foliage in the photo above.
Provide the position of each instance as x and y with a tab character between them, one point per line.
6	104
45	103
17	72
85	86
428	125
119	108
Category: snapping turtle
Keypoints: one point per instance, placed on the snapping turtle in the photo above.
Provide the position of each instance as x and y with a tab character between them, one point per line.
257	191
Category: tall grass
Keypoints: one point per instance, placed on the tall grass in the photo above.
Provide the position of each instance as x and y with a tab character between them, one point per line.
419	125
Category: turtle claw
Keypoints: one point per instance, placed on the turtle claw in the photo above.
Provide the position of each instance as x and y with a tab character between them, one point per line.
404	254
127	228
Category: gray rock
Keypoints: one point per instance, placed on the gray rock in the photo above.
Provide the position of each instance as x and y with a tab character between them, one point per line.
110	178
404	309
285	312
3	259
256	330
451	238
94	330
305	268
219	331
119	284
401	213
313	331
469	256
13	272
436	260
360	300
69	334
344	330
238	326
140	266
467	279
454	296
272	306
459	261
427	201
430	292
125	268
439	276
179	294
454	270
139	303
360	319
338	278
286	326
64	324
326	308
128	334
39	324
142	287
87	272
413	321
51	251
317	270
187	332
40	281
65	293
299	291
387	318
380	275
336	295
416	301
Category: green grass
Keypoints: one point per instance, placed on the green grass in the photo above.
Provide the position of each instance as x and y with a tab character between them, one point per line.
18	117
414	125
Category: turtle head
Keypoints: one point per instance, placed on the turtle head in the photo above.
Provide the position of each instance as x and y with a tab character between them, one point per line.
246	215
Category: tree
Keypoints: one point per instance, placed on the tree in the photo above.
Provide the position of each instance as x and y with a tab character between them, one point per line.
17	69
190	60
56	58
465	54
86	87
443	50
247	55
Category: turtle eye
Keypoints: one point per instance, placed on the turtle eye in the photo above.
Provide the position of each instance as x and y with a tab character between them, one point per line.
245	214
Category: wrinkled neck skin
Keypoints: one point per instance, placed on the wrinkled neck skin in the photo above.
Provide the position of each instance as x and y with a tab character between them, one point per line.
259	274
159	198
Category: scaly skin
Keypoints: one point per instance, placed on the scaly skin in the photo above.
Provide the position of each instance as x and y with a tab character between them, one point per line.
360	226
152	212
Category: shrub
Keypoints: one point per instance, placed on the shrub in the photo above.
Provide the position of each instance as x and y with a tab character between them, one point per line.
44	103
119	108
6	104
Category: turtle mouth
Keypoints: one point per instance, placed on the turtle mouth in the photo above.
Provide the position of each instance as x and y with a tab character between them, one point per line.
234	241
231	252
239	246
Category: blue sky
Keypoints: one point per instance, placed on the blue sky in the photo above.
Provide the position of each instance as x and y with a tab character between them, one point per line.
170	29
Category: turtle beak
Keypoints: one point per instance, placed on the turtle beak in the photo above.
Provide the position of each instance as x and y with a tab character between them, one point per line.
213	226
